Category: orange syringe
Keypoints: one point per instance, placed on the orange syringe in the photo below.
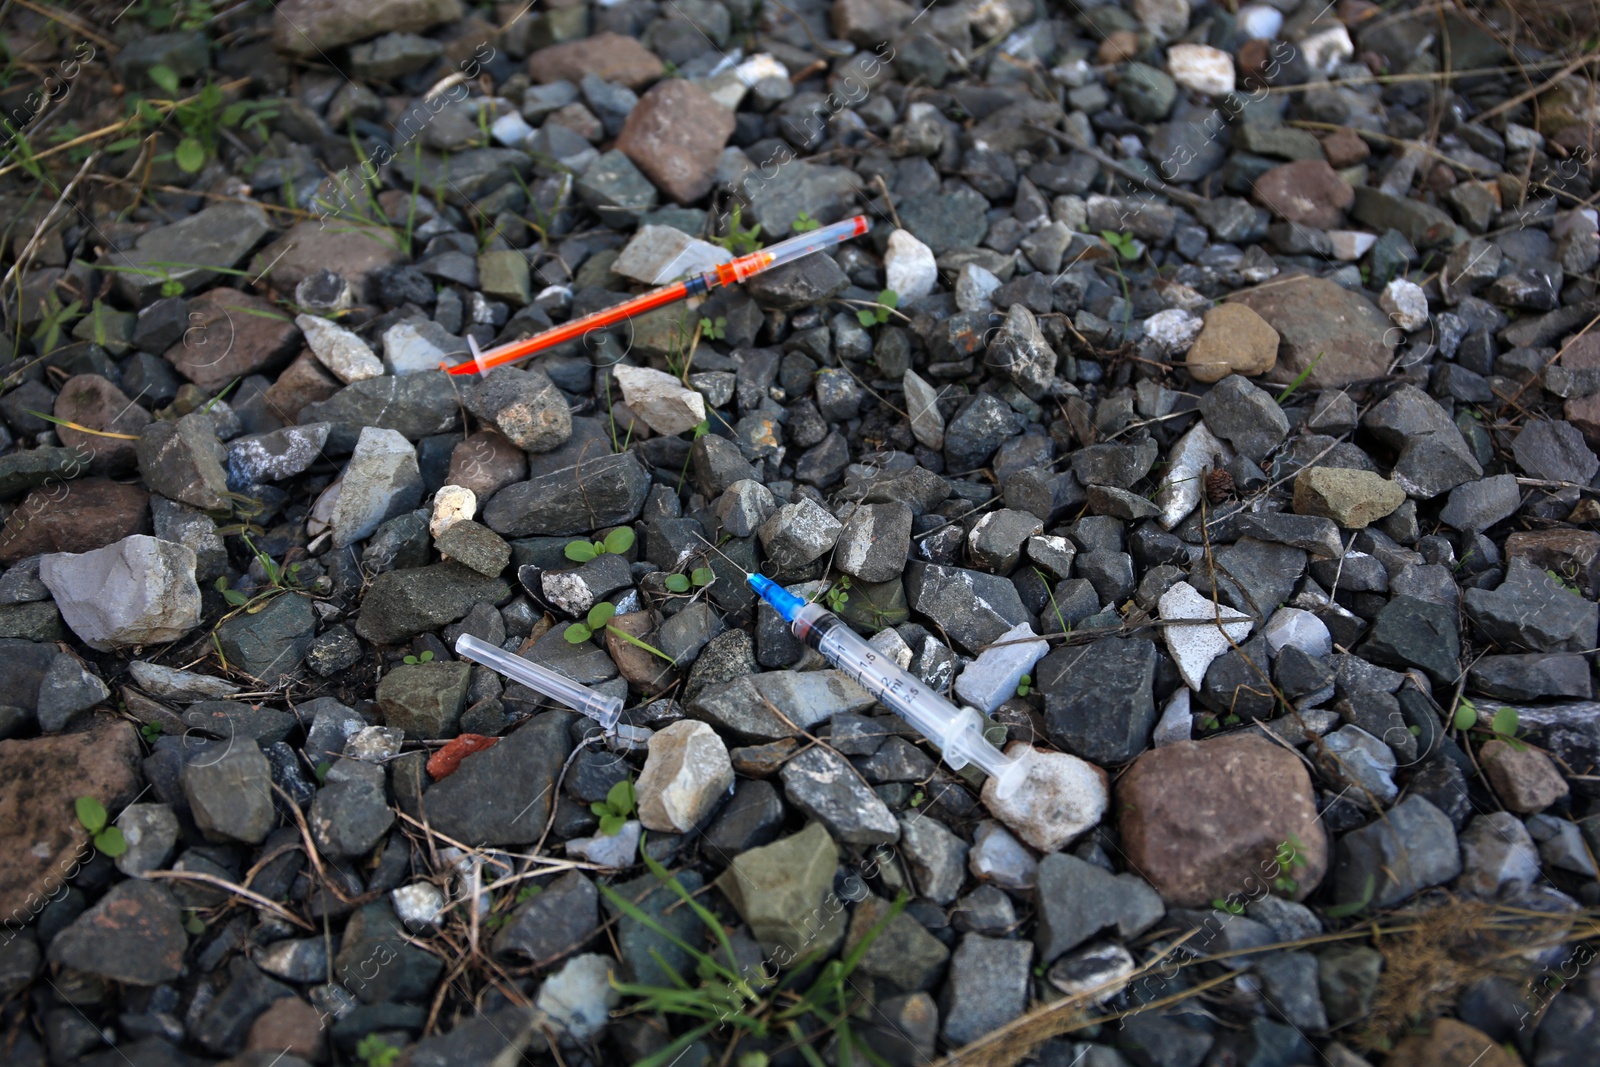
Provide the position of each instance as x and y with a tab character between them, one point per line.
729	273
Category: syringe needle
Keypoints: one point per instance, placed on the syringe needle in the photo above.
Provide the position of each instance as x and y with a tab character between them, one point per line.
725	556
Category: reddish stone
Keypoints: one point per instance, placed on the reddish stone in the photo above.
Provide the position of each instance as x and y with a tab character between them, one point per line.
1252	59
91	401
1118	47
1204	819
609	56
1316	318
675	134
1581	353
74	517
1524	779
347	248
231	335
303	382
1584	413
1307	191
1573	554
1345	148
290	1027
1451	1044
41	841
443	763
487	462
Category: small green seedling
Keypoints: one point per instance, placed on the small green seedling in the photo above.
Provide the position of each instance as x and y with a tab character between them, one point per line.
804	223
193	923
150	731
321	771
740	241
92	816
425	657
527	892
698	578
616	808
839	595
1289	861
714	329
888	300
616	542
1124	243
1232	907
917	798
1025	686
1354	907
598	617
1504	725
1562	581
374	1051
1466	716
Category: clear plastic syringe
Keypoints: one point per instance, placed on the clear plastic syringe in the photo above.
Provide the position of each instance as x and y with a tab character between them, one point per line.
957	731
599	707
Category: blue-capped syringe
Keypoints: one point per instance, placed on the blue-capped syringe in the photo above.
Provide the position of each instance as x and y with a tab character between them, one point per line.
957	731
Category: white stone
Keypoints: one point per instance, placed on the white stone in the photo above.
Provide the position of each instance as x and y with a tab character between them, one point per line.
1326	49
1001	859
374	744
1259	22
169	683
892	646
1177	720
349	357
1300	628
759	66
992	678
1201	69
510	129
726	88
1350	245
1522	138
909	267
1177	295
418	905
381	480
1180	489
1060	796
451	504
579	997
927	423
1406	304
1173	330
1075	73
1167	19
408	348
684	776
660	254
1071	211
974	285
136	591
1194	646
609	850
665	404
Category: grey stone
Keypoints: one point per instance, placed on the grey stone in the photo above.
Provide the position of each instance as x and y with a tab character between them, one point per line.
987	987
1408	632
1433	456
1532	610
798	533
271	457
1077	901
182	460
138	591
1556	451
271	643
218	237
350	813
1244	415
824	786
413	405
982	426
937	857
403	603
1355	759
502	795
1411	848
607	490
231	794
555	921
1099	698
1476	506
381	481
972	607
525	405
133	935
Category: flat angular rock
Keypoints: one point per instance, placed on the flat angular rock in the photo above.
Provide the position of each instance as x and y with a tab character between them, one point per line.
1316	318
675	134
135	592
665	404
231	793
1245	416
346	355
1411	848
777	888
502	795
183	461
216	237
133	935
659	254
232	335
1058	797
1533	611
1352	498
306	27
607	490
686	774
1099	698
825	787
1203	819
524	405
381	481
608	56
987	987
1193	647
974	608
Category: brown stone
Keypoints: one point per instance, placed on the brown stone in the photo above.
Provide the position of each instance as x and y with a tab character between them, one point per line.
1307	192
1118	47
1584	413
1252	59
87	514
1344	148
347	248
1582	353
675	134
868	22
609	56
41	840
1524	779
305	381
232	335
1204	819
1573	554
1451	1044
133	935
1234	340
763	761
1314	317
487	462
92	401
291	1027
645	671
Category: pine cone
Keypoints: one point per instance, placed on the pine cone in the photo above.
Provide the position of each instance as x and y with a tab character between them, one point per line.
1219	486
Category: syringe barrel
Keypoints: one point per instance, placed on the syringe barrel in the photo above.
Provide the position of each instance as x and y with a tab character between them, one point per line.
922	707
605	710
